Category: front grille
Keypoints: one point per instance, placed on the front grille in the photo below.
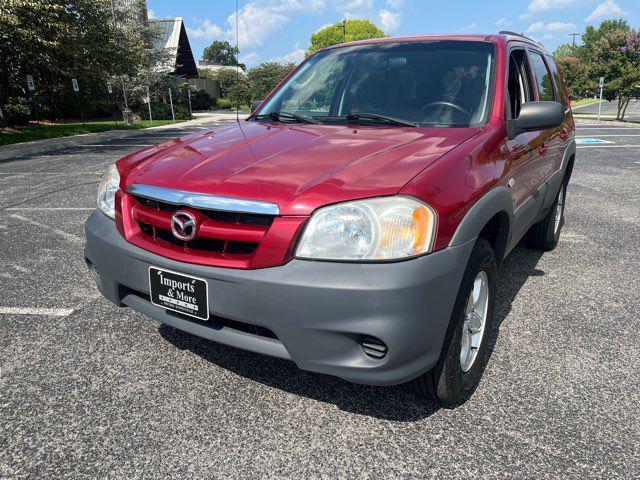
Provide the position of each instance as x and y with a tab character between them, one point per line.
223	233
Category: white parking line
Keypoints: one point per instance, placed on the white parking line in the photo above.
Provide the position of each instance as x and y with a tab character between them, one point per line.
609	135
119	145
51	173
607	146
50	312
67	236
37	209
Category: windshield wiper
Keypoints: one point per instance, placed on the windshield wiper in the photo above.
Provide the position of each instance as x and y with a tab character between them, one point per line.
277	116
374	116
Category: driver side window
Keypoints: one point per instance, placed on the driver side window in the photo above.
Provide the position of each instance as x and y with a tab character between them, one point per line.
520	89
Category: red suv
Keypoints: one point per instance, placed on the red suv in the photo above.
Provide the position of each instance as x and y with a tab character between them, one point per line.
355	222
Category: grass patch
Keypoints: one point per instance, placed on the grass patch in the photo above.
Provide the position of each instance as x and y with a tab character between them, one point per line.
583	102
38	132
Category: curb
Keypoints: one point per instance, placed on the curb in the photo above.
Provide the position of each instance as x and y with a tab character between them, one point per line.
17	150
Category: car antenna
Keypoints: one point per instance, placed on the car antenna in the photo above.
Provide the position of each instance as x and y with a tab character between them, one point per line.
237	66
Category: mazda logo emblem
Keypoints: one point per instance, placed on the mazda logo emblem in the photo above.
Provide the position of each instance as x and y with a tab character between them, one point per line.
183	226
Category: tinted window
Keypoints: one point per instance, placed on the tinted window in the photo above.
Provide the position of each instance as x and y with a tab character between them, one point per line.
560	92
543	77
444	83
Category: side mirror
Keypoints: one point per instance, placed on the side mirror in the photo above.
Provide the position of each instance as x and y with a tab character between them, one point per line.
255	105
536	116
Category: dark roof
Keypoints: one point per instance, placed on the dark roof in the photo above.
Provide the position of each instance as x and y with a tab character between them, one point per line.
173	36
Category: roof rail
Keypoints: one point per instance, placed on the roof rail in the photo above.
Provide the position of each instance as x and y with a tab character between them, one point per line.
515	34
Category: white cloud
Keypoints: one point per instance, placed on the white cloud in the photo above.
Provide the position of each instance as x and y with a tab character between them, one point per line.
395	3
536	6
550	27
295	56
259	19
250	59
352	8
502	21
323	27
151	13
389	21
206	30
609	8
535	27
559	26
469	27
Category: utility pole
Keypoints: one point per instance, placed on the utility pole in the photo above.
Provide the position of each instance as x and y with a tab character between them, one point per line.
344	31
573	36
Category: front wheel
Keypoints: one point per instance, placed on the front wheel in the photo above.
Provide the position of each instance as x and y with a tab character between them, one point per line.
458	371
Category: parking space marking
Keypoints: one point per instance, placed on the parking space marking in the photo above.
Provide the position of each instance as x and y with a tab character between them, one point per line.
591	141
611	135
37	209
22	174
50	312
608	146
67	236
119	145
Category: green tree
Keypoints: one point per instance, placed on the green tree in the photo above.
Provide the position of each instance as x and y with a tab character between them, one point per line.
222	52
605	52
592	36
264	78
576	77
56	40
234	85
616	57
566	50
350	31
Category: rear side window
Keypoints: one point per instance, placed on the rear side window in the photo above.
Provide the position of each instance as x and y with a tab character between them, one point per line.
543	77
560	92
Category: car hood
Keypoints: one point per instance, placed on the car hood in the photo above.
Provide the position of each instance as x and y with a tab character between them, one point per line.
298	166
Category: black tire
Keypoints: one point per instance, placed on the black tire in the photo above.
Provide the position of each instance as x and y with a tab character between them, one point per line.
544	235
447	384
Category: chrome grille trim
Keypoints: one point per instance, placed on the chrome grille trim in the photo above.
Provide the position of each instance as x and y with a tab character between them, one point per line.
203	201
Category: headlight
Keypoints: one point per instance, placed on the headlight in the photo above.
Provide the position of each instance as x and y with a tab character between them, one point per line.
374	229
107	191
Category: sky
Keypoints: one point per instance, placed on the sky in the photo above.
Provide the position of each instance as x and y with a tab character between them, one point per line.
280	29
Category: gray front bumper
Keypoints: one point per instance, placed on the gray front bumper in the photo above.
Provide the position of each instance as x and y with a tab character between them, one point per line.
318	310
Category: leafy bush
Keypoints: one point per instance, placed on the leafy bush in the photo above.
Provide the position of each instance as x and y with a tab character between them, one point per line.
223	103
201	100
162	111
17	112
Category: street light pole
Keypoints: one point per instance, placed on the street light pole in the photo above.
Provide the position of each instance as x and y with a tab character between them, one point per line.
344	31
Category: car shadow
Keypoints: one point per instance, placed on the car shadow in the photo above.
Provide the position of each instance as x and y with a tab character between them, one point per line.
389	403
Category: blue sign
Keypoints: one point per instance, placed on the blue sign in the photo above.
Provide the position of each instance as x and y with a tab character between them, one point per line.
591	141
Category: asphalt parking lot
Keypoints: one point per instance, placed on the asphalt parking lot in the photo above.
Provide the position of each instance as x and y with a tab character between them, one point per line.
88	390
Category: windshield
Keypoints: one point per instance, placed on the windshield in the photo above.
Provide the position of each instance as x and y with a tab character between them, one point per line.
442	83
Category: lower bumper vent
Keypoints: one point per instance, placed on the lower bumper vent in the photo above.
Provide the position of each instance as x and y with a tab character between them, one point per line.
374	347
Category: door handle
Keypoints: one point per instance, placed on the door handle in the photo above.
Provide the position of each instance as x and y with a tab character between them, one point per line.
543	149
564	135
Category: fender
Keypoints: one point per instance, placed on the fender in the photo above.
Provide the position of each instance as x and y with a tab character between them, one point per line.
495	201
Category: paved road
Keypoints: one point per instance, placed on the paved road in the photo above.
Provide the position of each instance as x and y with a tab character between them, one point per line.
88	390
610	109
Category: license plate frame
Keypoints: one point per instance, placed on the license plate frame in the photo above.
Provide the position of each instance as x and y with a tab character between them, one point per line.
179	292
